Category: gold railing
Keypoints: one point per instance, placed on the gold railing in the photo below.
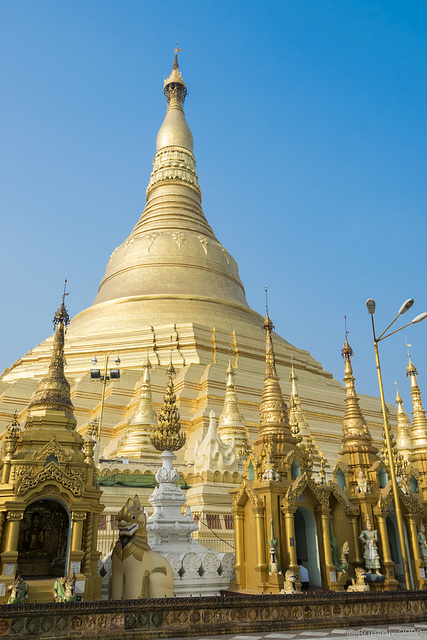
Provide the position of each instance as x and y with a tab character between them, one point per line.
216	531
107	533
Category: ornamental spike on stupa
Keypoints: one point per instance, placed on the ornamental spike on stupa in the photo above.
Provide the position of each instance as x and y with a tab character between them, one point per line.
167	436
145	413
136	442
231	427
403	438
273	409
357	450
53	391
419	420
296	415
354	425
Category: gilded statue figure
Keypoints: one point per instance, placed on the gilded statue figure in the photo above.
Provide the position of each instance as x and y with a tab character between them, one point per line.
369	539
34	536
362	483
422	541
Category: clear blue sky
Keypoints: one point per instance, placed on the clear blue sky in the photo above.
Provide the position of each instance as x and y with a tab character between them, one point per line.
309	121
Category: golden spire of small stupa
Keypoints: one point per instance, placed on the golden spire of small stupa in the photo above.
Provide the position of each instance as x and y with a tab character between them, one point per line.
354	425
273	408
419	420
136	442
403	439
296	415
167	436
145	413
231	421
53	391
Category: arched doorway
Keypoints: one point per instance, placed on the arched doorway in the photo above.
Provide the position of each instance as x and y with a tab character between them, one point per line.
396	554
307	544
43	540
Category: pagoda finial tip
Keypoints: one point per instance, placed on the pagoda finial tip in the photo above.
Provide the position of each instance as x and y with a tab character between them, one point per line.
62	314
176	51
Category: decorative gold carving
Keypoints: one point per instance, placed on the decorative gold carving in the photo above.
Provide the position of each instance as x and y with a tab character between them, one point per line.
254	498
70	481
167	436
53	447
15	515
321	492
78	515
350	509
179	238
88	543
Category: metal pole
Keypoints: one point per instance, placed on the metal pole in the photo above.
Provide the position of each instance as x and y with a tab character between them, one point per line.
104	382
399	517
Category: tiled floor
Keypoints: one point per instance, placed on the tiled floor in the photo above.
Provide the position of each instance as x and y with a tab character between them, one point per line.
416	631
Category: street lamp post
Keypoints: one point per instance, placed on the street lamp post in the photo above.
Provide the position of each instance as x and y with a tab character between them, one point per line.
370	304
95	374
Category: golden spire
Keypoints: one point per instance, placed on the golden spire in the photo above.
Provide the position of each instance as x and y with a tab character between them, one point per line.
403	439
354	425
231	421
145	413
136	442
167	436
273	408
53	391
172	243
296	415
175	131
419	420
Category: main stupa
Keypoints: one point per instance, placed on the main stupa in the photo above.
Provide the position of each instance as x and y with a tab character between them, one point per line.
173	288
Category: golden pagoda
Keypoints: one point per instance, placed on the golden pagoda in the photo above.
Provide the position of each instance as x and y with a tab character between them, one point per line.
172	277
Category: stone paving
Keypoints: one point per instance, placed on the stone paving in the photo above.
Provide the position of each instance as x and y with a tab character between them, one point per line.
412	631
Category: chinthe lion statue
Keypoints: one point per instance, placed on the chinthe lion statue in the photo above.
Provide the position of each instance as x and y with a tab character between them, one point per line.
359	584
137	571
289	584
64	589
19	591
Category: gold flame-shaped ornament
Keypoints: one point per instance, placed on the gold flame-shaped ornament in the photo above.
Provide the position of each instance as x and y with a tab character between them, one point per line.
167	436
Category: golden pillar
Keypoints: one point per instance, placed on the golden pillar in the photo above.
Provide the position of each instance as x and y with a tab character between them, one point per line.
239	567
76	551
417	564
387	562
324	514
291	548
88	537
10	554
261	542
358	560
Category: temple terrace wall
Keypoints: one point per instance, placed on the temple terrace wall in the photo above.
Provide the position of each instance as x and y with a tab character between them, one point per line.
185	617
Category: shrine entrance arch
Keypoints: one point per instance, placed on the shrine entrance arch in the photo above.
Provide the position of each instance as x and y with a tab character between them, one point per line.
307	544
44	539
